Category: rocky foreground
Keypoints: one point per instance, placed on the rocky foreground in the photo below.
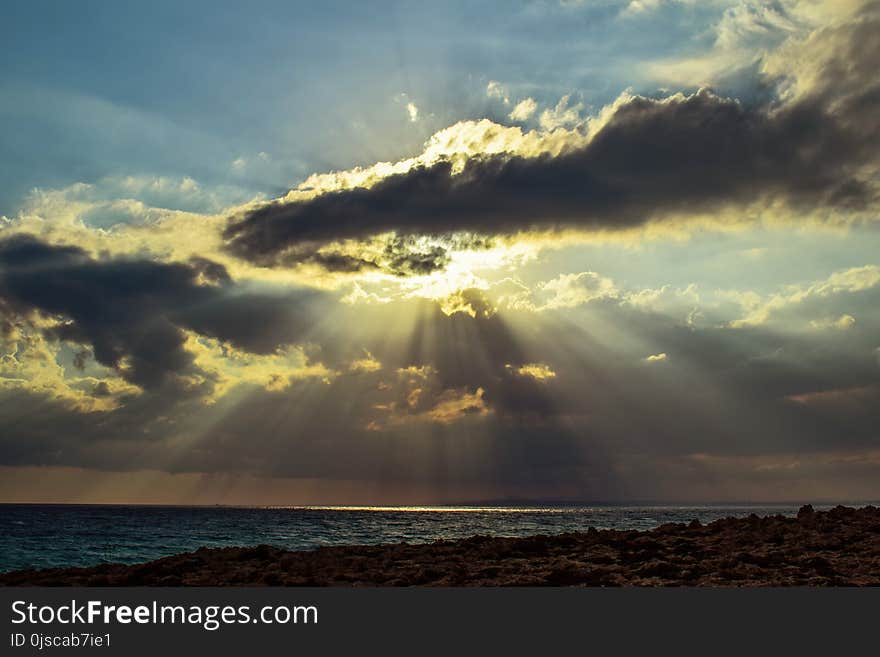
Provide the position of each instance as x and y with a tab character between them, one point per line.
840	547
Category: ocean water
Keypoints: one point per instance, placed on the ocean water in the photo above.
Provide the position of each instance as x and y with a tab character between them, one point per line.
42	536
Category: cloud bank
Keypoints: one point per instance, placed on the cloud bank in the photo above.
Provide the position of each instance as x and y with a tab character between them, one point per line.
812	148
133	314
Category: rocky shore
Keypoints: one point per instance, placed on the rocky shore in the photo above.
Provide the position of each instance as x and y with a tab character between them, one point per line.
839	547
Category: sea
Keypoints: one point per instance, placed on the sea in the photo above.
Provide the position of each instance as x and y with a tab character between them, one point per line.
44	536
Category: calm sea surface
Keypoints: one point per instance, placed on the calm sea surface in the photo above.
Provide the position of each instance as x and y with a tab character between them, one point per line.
41	536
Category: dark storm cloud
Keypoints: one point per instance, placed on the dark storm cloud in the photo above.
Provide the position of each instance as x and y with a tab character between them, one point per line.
338	262
738	394
400	257
132	313
405	258
654	158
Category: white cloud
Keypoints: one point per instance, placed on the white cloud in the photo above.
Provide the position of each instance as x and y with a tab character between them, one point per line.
412	111
570	290
751	23
561	116
523	110
639	7
761	310
841	323
681	303
751	32
496	90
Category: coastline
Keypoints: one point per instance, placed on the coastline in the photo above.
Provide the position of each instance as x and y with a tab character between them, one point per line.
839	547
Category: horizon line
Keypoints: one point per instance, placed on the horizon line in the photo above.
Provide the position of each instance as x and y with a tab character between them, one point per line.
518	505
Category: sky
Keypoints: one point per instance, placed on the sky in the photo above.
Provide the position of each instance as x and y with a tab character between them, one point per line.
415	253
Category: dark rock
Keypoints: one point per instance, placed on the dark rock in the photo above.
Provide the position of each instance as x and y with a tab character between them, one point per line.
806	511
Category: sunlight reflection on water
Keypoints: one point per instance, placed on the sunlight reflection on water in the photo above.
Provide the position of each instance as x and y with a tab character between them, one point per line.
55	535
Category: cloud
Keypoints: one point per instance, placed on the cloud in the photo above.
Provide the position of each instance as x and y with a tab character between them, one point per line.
114	200
841	323
685	304
570	290
496	90
636	7
226	367
650	161
799	297
129	339
746	35
412	111
133	313
30	362
457	399
864	396
472	301
538	371
562	115
407	257
453	406
420	397
523	110
366	364
749	23
563	292
399	256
